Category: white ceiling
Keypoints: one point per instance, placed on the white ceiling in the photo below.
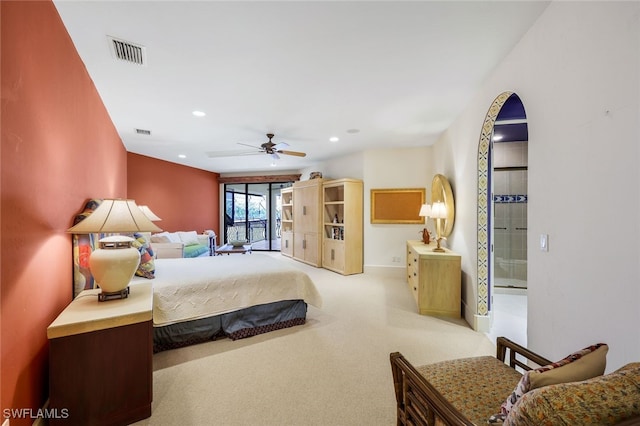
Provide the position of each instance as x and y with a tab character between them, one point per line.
397	72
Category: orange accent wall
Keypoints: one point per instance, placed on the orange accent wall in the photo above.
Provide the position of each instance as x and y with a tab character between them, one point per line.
59	148
185	198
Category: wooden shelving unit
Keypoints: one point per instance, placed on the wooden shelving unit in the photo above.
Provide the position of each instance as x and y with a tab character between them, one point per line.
342	245
286	226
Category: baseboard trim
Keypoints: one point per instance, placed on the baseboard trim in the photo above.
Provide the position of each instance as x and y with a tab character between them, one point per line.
386	271
482	323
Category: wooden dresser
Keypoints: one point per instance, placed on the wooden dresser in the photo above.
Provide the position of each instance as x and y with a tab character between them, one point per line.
100	359
434	279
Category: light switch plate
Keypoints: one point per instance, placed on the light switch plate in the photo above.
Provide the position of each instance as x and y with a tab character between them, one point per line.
544	242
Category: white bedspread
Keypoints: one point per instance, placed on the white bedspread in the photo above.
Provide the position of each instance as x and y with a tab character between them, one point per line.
189	289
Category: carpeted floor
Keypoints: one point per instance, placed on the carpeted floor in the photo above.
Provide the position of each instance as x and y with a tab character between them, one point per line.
334	370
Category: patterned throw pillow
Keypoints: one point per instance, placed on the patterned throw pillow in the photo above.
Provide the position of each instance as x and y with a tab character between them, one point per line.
147	267
603	400
582	365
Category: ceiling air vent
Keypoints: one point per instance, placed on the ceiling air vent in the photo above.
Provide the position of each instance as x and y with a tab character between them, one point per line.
127	51
143	132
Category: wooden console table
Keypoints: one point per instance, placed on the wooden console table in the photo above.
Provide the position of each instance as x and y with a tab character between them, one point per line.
100	359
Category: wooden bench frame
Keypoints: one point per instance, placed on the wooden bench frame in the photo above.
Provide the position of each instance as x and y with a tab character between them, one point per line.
419	403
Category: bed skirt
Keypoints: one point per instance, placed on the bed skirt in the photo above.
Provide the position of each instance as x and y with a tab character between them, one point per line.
234	325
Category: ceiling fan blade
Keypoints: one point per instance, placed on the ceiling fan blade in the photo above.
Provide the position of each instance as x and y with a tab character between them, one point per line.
296	153
215	154
246	144
280	145
275	156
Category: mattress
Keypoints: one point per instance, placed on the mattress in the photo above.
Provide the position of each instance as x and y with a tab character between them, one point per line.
191	289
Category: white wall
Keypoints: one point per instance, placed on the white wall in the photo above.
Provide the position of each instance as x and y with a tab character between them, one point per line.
577	72
393	168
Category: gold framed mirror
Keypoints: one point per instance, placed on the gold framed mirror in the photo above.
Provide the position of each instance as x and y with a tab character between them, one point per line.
441	192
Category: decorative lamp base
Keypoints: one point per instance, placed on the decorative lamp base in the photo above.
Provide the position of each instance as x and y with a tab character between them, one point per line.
114	264
122	294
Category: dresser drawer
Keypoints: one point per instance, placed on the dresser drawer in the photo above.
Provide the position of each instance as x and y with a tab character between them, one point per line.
412	273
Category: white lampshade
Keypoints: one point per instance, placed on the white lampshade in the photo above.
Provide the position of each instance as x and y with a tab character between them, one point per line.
115	216
115	261
149	214
439	210
425	210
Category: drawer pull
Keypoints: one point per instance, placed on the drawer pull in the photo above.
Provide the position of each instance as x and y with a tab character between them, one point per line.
415	275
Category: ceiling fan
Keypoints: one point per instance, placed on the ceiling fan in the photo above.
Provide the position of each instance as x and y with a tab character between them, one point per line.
269	148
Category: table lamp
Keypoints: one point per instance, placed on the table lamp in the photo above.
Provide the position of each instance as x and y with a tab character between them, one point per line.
115	261
438	213
149	214
425	211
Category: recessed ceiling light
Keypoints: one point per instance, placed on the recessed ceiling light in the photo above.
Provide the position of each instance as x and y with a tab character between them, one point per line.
334	139
198	113
182	156
273	164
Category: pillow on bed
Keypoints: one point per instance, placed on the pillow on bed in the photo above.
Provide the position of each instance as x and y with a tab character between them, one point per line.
147	267
188	238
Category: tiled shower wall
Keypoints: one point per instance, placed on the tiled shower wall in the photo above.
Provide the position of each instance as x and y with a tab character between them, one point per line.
510	213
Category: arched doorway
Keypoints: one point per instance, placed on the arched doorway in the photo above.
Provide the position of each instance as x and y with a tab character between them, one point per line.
504	233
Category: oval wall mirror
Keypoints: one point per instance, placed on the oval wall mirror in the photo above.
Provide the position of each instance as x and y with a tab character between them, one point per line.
441	191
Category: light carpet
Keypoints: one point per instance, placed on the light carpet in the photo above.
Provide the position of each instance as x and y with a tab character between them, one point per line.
333	370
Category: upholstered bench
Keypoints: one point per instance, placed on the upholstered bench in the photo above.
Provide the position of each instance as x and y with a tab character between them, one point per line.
527	389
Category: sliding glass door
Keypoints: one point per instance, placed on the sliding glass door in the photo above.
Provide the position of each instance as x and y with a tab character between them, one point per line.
252	214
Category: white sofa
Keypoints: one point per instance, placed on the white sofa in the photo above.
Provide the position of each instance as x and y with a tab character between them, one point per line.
182	244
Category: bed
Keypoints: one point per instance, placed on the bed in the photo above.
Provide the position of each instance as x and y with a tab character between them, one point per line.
201	299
